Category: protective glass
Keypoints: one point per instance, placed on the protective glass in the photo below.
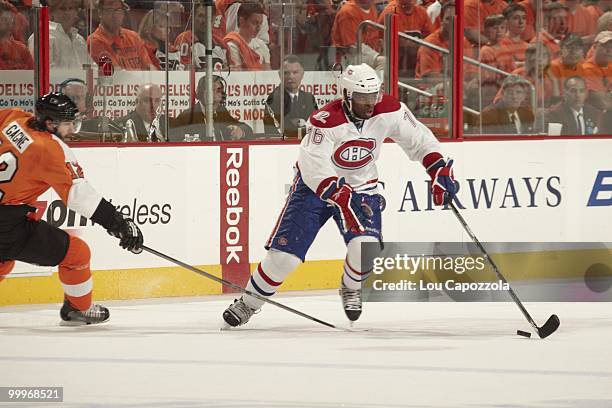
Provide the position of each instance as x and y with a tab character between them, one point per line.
76	123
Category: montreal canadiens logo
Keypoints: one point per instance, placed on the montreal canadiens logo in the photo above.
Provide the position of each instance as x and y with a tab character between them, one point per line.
354	154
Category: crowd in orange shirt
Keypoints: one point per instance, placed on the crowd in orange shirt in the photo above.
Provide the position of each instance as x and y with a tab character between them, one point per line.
574	37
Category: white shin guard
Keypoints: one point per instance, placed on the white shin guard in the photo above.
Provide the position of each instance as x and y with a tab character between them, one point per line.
269	275
354	271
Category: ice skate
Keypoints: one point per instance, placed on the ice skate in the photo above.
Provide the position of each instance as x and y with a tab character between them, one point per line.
74	317
238	313
351	301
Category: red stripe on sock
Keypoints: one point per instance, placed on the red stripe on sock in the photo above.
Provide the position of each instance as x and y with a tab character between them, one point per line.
346	262
266	278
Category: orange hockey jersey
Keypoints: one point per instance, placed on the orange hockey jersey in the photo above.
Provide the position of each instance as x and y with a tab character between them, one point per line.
32	161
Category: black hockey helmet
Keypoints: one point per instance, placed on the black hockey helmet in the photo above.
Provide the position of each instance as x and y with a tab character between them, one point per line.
56	107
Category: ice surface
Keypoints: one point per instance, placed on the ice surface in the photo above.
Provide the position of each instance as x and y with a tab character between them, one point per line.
172	353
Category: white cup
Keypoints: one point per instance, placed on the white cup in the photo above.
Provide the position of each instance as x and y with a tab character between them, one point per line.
554	129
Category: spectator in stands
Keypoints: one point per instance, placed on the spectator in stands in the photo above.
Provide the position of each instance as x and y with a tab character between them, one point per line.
192	122
493	54
247	52
555	27
231	20
153	29
512	43
20	22
381	4
298	104
537	72
569	63
430	63
530	13
220	22
146	121
221	7
304	34
512	114
412	20
124	47
592	6
475	13
580	22
604	23
344	33
321	15
598	7
433	12
67	48
191	43
348	18
92	128
13	54
76	90
598	72
576	117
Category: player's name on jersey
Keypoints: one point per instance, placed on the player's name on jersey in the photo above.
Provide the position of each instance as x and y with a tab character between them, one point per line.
17	136
449	285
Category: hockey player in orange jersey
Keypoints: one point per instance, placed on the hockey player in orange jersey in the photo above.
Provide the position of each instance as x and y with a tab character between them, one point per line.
33	157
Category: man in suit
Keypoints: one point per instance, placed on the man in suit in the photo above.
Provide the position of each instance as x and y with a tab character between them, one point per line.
145	123
512	115
576	117
298	105
92	128
193	121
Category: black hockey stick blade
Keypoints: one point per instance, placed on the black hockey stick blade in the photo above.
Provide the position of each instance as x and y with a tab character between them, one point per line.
553	322
551	325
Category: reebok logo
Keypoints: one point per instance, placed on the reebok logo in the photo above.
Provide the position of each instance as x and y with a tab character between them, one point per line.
234	210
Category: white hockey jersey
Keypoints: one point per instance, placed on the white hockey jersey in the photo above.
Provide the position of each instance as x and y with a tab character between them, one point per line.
333	145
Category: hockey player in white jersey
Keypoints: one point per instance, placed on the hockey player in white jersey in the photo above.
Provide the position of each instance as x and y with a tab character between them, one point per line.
336	176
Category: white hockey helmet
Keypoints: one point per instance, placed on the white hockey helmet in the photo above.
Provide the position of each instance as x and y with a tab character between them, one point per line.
359	78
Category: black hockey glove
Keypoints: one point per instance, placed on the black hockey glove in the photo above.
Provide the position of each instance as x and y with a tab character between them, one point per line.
130	236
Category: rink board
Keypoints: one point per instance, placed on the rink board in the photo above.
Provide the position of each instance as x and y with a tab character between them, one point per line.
512	191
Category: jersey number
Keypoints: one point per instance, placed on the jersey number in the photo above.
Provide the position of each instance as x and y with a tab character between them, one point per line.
8	168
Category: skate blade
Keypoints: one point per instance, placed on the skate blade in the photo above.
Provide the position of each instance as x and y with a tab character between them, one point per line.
71	323
225	326
354	329
75	323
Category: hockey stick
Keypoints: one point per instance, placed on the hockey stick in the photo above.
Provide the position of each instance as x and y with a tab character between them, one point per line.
553	321
236	287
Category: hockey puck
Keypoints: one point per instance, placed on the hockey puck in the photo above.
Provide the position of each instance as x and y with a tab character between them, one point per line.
523	333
